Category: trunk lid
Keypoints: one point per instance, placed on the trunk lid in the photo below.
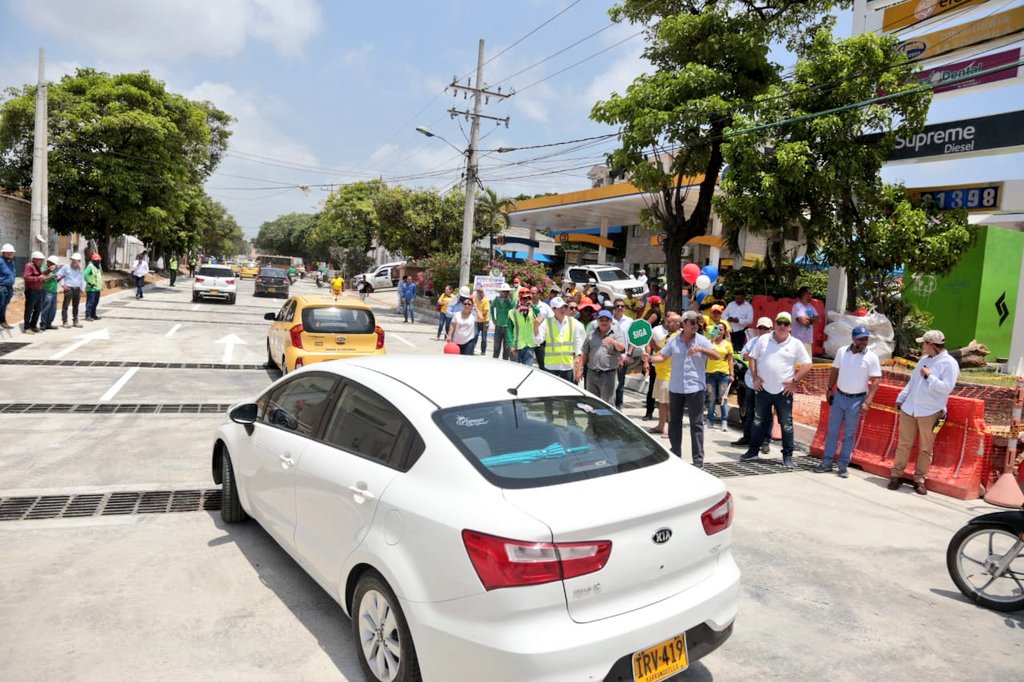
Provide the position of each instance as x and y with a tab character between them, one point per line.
640	570
341	330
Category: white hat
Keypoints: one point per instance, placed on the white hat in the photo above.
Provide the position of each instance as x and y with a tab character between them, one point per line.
37	254
464	292
557	302
505	287
53	259
765	322
7	248
76	256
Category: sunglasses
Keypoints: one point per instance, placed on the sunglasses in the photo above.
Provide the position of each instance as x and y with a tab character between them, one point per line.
621	307
782	323
572	307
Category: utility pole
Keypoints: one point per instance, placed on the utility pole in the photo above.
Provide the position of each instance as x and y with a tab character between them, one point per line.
39	217
479	93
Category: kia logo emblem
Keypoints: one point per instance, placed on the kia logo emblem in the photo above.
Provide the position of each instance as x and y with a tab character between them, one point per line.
661	536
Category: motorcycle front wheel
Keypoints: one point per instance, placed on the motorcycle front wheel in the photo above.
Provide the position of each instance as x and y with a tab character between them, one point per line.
986	561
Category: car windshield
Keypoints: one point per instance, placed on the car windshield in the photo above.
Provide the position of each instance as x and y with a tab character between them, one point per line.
208	271
612	275
547	441
250	264
333	320
271	272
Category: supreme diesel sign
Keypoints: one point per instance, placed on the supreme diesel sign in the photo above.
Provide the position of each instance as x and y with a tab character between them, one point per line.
986	133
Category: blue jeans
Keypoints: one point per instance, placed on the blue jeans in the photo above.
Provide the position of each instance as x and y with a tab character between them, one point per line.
620	386
763	404
468	347
443	320
408	310
718	385
748	416
49	309
566	374
481	331
139	283
525	356
845	415
500	342
92	302
6	293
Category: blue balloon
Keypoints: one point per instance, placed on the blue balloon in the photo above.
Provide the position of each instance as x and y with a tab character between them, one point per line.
711	271
701	295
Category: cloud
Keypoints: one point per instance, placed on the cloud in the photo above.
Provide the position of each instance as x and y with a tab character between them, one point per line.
175	29
618	76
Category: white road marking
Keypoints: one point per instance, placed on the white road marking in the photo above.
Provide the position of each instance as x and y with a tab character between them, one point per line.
112	391
229	341
173	329
101	334
196	306
408	343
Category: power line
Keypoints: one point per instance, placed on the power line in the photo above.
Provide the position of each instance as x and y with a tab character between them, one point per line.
542	25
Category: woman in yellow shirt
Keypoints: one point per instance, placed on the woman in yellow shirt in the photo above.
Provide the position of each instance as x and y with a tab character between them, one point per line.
443	318
719	374
483	318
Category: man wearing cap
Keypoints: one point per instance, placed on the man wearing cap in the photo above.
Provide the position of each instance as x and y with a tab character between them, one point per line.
34	278
621	323
51	285
93	276
600	357
523	327
688	381
72	281
563	336
921	404
774	360
7	276
764	325
852	384
740	315
500	308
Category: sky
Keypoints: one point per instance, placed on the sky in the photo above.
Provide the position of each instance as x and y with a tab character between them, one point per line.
328	92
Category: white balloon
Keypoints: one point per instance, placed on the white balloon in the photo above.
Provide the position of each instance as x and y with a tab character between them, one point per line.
703	282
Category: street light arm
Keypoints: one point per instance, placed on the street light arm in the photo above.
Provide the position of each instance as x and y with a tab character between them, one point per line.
423	130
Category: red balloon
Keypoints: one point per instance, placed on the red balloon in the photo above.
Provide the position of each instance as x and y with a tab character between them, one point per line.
691	271
452	348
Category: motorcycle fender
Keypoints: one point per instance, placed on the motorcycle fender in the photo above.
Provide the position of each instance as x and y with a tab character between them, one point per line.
1010	519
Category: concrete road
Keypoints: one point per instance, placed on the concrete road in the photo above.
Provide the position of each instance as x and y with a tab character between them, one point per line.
843	580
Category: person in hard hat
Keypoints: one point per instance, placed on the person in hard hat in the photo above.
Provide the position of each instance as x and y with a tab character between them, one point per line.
34	278
7	276
72	281
51	286
93	276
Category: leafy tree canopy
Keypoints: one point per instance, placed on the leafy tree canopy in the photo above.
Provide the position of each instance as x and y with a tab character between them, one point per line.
288	235
348	225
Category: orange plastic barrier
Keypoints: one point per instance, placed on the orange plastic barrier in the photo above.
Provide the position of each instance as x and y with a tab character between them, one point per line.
766	306
961	455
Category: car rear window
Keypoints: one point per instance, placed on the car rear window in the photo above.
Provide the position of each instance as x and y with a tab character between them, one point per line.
271	272
335	320
547	441
208	271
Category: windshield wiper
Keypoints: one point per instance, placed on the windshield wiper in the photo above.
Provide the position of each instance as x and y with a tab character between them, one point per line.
553	451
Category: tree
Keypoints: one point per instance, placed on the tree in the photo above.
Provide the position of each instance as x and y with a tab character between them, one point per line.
288	235
490	214
126	155
711	61
348	225
817	169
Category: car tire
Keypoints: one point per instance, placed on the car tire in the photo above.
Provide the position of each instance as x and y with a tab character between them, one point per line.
284	365
231	299
230	506
195	297
375	608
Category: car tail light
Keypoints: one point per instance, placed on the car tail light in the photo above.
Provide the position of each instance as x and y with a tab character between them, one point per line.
229	281
380	336
258	280
719	517
500	562
200	279
298	363
296	334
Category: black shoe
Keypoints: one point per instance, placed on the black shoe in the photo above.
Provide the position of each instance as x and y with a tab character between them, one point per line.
788	463
648	417
894	482
920	489
823	468
741	442
750	458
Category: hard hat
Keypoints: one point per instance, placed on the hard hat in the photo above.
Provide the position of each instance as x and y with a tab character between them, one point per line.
76	256
7	248
37	254
464	292
96	256
53	259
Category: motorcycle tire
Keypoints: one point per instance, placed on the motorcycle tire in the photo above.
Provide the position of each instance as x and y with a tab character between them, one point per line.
963	569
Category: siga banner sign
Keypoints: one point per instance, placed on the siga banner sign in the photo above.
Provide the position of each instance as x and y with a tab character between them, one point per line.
977	32
916	11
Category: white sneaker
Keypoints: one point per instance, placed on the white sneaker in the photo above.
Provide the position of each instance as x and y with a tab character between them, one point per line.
725	425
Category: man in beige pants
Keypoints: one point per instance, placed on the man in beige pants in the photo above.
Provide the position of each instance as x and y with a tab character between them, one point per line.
920	404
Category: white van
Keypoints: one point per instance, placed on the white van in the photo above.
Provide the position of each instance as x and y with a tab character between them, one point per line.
383	276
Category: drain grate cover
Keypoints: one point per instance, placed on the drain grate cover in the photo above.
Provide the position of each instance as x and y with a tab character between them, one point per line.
10	346
114	408
108	504
759	467
28	362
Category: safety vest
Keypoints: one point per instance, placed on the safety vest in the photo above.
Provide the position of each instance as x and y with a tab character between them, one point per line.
559	349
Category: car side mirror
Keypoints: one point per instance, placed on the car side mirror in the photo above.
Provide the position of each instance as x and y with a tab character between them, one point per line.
244	414
269	316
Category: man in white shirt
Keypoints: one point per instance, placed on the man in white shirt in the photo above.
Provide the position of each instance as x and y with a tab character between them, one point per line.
139	271
740	315
920	405
641	276
852	384
564	337
774	360
764	326
544	314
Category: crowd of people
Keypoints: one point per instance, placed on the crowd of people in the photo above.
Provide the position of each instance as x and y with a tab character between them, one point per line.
45	280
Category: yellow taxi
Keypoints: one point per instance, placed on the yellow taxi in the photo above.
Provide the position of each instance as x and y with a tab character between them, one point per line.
236	267
249	268
314	328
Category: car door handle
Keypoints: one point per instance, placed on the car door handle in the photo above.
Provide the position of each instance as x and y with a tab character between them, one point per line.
363	492
286	459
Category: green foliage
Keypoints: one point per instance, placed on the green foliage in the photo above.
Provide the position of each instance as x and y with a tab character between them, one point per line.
442	269
126	155
909	322
288	235
348	225
779	282
711	61
530	273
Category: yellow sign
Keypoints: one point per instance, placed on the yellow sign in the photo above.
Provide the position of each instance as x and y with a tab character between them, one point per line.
910	13
657	240
588	238
964	35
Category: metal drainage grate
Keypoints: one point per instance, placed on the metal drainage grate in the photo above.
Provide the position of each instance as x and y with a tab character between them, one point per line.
759	467
114	408
223	323
29	362
108	504
10	346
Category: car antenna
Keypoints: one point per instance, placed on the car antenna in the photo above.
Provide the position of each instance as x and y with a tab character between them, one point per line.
515	391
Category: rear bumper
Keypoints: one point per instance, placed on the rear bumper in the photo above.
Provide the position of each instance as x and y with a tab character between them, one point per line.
456	640
272	289
222	294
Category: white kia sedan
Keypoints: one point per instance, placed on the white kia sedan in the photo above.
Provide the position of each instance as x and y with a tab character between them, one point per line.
483	520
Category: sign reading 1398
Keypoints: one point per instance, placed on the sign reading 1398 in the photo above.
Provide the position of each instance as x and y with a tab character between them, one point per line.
980	197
